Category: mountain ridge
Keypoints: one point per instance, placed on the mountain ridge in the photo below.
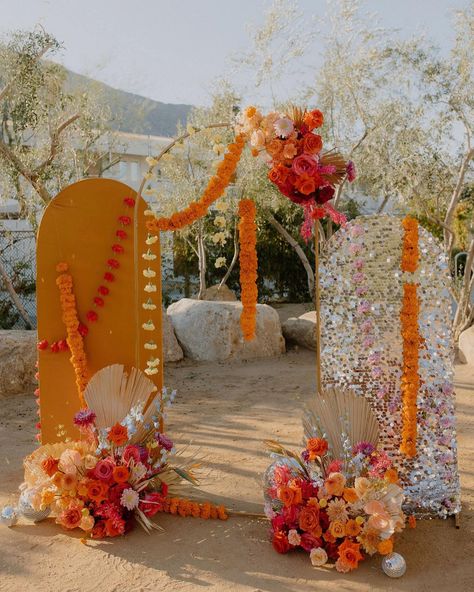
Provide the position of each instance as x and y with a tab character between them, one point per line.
132	113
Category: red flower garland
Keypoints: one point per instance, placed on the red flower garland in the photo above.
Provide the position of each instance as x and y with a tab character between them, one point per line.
248	268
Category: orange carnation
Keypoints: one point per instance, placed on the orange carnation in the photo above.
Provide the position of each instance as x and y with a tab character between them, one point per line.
313	119
352	528
385	547
118	434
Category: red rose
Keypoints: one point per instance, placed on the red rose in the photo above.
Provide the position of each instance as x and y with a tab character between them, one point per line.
290	516
278	522
308	541
324	194
280	542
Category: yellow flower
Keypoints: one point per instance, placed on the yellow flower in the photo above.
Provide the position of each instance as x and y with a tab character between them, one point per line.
323	502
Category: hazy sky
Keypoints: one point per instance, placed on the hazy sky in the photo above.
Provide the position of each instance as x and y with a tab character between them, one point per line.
172	50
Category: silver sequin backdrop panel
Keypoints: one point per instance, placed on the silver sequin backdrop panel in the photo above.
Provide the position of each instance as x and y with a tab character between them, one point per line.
361	297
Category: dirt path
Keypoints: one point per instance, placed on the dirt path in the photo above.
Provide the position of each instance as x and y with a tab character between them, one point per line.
226	410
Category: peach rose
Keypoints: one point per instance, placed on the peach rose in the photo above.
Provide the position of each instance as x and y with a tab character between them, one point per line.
257	139
318	557
361	485
337	529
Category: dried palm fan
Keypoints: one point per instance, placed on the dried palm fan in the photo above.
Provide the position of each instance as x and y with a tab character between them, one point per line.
333	158
335	412
112	393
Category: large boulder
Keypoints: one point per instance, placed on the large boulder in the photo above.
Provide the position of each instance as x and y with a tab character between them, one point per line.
172	351
18	356
301	330
17	362
222	294
466	346
211	330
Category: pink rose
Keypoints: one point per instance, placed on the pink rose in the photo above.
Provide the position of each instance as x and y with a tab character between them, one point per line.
103	469
131	452
305	165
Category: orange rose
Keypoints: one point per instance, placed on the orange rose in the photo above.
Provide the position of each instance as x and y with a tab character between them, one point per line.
97	491
313	119
385	547
286	495
118	434
350	495
349	556
312	143
121	474
305	184
275	148
309	519
352	528
316	447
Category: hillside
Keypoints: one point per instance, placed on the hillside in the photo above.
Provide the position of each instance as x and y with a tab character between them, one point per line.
131	112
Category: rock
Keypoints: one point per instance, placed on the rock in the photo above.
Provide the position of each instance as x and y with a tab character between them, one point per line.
466	346
224	294
172	351
17	362
211	330
301	330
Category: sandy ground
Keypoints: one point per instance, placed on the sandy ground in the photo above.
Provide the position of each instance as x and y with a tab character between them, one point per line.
226	410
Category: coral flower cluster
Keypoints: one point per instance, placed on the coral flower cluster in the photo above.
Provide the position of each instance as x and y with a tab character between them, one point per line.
293	151
334	510
71	321
215	189
248	267
410	380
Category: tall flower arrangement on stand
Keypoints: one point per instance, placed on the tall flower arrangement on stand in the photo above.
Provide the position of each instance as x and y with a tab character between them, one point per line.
298	166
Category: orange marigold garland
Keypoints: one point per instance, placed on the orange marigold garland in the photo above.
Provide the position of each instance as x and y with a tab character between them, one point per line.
248	267
183	507
410	380
215	188
71	321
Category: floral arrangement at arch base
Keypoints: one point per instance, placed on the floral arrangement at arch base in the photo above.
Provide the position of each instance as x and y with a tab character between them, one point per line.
298	166
339	501
120	472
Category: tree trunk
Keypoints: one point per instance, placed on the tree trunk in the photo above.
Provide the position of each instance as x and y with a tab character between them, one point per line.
202	264
234	258
299	251
464	313
14	296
